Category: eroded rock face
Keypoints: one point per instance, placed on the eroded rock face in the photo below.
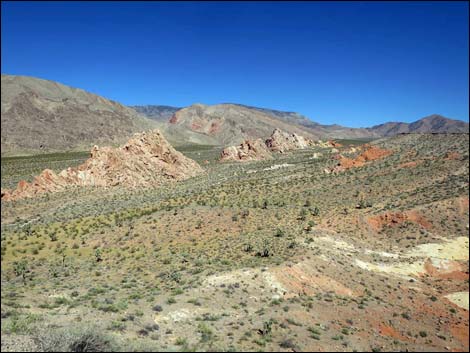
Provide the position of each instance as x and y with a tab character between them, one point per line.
247	151
147	159
281	141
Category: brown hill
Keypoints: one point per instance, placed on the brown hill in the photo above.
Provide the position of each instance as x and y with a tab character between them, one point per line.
45	116
229	124
431	124
147	159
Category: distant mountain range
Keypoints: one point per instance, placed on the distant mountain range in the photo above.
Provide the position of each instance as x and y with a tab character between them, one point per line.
431	124
229	123
45	116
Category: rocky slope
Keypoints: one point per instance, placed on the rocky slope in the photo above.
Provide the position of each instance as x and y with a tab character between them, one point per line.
45	116
273	256
147	159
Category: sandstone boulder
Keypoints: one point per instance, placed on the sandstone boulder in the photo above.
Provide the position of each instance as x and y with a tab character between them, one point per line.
281	141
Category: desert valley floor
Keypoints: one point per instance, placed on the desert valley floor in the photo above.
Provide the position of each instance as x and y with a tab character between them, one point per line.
274	255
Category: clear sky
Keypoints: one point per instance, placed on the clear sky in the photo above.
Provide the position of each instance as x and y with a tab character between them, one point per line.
351	63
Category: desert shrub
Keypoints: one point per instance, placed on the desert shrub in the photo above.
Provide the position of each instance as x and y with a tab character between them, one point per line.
20	324
117	326
21	268
157	308
180	341
206	333
76	339
267	328
288	343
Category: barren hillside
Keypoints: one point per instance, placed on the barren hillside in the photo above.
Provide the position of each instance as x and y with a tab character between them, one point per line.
44	116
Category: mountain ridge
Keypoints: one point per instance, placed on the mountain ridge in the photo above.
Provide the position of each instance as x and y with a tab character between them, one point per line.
156	112
434	123
41	116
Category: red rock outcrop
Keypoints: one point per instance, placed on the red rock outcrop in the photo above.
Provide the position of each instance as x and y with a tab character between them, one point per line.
445	269
247	151
411	164
370	153
173	119
452	156
147	159
393	219
281	141
334	144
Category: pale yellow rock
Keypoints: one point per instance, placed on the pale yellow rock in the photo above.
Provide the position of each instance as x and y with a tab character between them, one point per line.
460	299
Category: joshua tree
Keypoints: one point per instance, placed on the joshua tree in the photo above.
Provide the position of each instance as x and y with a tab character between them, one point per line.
62	253
279	233
264	252
98	255
315	211
21	268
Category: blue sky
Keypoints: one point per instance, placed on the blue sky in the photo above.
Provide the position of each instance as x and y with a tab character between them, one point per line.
351	63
